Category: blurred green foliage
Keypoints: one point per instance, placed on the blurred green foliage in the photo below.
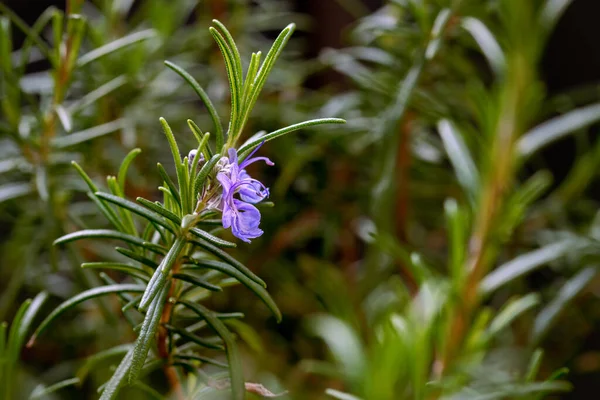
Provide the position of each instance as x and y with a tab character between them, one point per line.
402	245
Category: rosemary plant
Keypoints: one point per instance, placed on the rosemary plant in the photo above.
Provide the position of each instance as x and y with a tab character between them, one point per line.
176	261
433	333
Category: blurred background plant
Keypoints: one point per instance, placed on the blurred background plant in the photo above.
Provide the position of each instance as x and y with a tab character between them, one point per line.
442	243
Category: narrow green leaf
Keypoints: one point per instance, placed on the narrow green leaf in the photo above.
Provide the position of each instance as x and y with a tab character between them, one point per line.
97	358
248	147
146	336
204	172
115	45
88	134
194	338
170	184
125	214
13	349
111	390
195	130
161	274
108	212
18	332
85	177
178	164
107	234
132	303
235	83
249	283
211	238
228	259
126	268
263	73
122	175
234	50
250	76
200	151
220	135
81	297
197	281
202	359
190	200
137	209
136	257
233	357
159	209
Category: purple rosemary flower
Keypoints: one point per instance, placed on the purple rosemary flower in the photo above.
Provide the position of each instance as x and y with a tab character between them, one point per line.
240	214
192	155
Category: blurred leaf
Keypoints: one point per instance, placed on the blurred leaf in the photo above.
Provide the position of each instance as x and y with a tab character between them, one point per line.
95	95
460	158
566	294
488	44
41	392
511	311
88	134
92	361
525	263
344	344
10	191
534	365
116	45
552	11
557	128
79	298
336	394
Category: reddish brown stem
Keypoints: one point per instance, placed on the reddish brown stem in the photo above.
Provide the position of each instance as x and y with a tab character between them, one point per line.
162	342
